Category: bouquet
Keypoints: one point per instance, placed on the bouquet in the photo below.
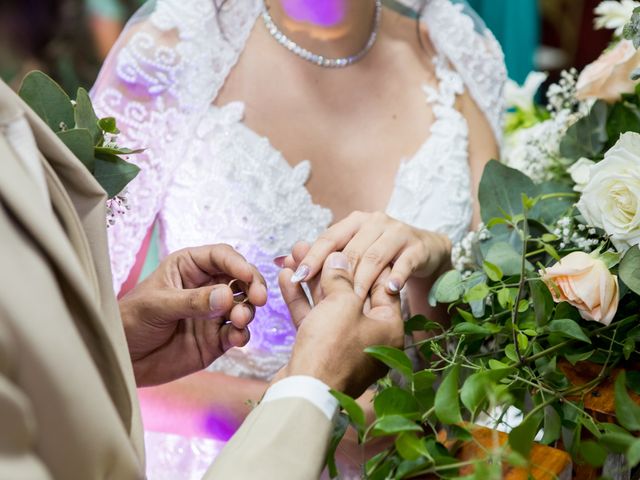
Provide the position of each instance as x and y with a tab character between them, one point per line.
549	283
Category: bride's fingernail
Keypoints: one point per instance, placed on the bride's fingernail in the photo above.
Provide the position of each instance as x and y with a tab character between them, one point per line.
338	261
301	274
393	286
279	261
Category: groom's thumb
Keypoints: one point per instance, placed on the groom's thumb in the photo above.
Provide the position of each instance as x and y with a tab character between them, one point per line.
337	276
211	301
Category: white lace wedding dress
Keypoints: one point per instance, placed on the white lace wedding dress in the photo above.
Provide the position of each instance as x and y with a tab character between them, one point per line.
207	178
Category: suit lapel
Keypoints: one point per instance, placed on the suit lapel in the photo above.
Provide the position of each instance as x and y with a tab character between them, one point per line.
68	248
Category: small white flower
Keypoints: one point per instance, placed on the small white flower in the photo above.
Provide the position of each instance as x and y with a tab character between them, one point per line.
522	97
613	15
580	173
611	198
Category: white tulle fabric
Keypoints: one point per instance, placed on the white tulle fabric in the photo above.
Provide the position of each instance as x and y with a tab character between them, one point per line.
207	178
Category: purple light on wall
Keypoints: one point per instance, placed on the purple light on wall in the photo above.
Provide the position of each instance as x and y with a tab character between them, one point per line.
323	13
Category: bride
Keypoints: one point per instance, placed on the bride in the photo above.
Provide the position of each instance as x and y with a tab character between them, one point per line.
264	123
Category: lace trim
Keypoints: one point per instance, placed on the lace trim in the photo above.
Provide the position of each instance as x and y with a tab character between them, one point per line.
438	175
477	57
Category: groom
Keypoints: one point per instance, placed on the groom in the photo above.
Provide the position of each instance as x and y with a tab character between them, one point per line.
71	357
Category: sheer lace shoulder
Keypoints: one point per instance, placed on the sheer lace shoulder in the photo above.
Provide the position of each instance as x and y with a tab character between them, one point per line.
161	76
473	51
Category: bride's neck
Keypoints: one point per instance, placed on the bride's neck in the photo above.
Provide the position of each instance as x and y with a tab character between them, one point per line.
327	27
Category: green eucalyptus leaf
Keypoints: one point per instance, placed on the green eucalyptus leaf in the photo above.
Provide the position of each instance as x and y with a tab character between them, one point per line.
569	329
85	116
551	425
396	401
114	173
393	358
79	141
617	442
548	210
118	150
575	357
393	424
476	293
354	411
474	392
521	437
633	381
633	454
631	30
500	191
410	447
48	100
629	270
423	380
593	453
494	272
542	301
108	124
447	289
627	411
447	403
467	328
623	117
339	429
506	258
588	136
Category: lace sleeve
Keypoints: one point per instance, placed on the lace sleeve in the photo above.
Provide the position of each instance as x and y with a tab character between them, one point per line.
458	32
163	73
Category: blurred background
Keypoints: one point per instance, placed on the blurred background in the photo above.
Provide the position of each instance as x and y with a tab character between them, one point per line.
69	38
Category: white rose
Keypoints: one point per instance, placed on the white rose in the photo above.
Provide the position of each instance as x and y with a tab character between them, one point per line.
611	198
580	173
614	15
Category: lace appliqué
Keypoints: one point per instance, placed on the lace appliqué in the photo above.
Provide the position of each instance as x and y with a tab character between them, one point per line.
161	77
432	189
476	56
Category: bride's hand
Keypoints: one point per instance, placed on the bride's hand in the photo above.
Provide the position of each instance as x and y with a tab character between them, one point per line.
372	241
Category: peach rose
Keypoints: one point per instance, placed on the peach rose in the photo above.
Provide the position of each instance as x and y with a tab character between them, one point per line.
610	75
586	283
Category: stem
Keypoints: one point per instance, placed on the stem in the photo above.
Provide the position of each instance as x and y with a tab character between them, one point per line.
523	276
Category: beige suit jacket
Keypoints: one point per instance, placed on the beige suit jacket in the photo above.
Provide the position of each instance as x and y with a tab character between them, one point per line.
68	406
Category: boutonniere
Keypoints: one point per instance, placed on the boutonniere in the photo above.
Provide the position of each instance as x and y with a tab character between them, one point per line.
91	139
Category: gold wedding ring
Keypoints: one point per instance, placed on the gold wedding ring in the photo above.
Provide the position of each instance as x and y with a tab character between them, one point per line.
238	289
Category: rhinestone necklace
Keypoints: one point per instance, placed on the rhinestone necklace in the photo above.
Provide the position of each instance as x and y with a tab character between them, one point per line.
320	60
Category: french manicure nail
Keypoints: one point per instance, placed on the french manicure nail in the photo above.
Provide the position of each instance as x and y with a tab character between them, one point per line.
393	286
338	261
301	274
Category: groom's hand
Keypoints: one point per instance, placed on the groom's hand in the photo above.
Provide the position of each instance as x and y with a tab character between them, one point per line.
183	316
332	336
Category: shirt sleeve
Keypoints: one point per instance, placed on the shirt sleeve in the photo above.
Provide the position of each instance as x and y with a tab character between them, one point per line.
307	388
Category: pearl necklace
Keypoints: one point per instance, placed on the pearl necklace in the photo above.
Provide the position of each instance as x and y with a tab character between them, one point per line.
320	60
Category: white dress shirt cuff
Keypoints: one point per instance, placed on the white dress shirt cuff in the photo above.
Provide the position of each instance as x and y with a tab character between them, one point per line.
308	388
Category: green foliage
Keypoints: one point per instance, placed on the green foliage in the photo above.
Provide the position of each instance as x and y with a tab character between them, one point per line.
630	270
588	136
78	127
627	412
631	30
447	403
508	339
